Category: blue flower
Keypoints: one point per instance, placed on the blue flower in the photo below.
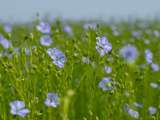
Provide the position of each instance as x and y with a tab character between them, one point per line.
106	84
135	34
148	56
155	67
16	50
108	69
57	56
18	108
44	27
139	105
68	29
46	40
103	46
52	100
152	110
129	53
131	112
1	37
4	42
8	28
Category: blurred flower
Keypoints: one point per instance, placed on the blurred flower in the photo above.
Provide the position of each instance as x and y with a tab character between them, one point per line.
85	60
90	25
46	40
57	56
106	84
148	56
152	110
129	53
126	93
115	33
4	42
156	33
1	37
110	58
103	46
16	50
68	29
135	34
27	51
108	69
131	112
52	100
147	42
155	67
44	27
18	108
8	28
136	104
154	85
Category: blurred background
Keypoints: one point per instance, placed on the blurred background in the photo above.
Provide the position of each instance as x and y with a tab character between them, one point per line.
26	10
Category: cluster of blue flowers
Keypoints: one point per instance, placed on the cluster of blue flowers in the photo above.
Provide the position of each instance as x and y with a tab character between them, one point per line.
18	107
45	28
129	53
103	46
149	60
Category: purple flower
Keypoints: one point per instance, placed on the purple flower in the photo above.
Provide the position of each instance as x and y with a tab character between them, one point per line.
129	53
44	27
46	40
148	56
18	108
4	42
106	84
108	69
152	110
1	37
103	46
131	112
52	100
155	67
57	56
68	30
16	50
135	34
27	51
8	28
139	105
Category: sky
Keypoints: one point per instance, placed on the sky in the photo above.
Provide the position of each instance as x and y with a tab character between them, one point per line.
25	10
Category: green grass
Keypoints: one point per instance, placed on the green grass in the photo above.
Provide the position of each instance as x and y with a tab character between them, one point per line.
30	78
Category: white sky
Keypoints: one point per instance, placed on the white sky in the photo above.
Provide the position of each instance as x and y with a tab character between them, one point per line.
24	10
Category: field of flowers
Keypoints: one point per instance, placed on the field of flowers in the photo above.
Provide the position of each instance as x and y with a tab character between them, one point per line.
80	70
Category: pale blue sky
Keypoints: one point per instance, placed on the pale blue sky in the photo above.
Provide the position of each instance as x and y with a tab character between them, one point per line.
24	10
